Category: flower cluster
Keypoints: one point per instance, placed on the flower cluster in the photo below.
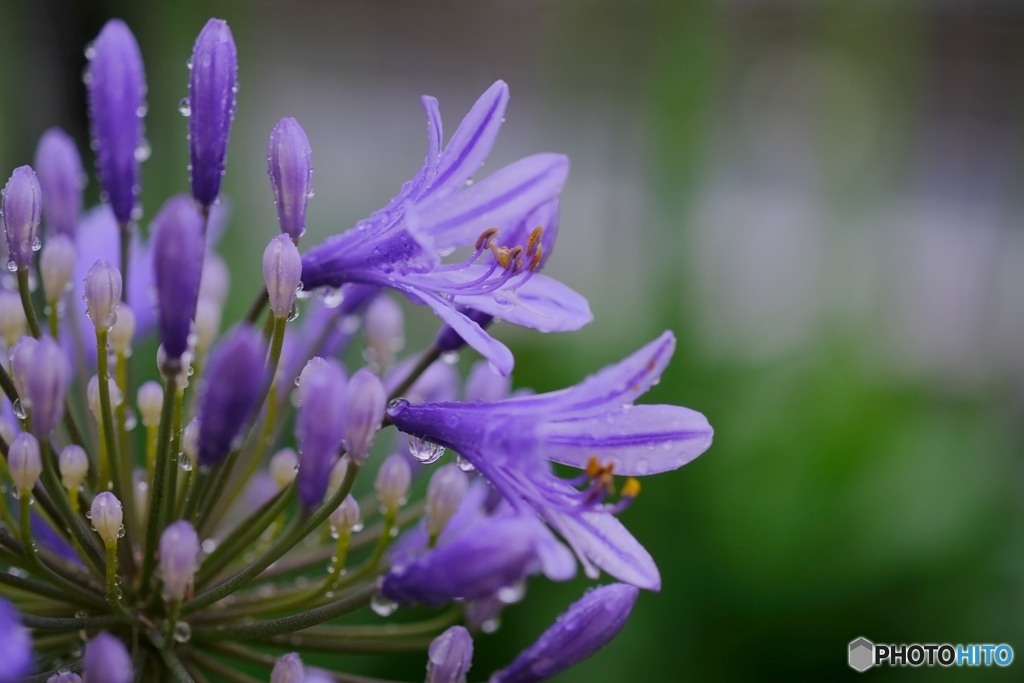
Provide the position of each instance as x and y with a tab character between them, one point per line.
203	538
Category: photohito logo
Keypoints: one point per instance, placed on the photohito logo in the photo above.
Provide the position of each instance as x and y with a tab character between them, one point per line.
863	654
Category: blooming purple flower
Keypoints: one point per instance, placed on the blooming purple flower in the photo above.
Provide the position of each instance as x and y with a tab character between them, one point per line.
592	426
588	625
235	375
22	211
117	89
61	176
450	656
211	90
320	427
48	380
15	644
177	245
107	660
398	247
290	165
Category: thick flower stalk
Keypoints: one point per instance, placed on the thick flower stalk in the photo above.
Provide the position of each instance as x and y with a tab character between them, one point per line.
272	489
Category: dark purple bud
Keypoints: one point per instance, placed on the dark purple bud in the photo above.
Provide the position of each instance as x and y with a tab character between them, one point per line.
211	106
177	267
235	376
117	90
450	656
450	340
22	208
320	427
48	381
290	165
15	644
587	626
107	660
61	176
282	272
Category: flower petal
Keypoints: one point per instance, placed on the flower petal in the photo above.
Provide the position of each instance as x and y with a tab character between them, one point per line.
541	303
603	540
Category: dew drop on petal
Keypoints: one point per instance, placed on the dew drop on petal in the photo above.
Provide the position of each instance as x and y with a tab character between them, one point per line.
424	451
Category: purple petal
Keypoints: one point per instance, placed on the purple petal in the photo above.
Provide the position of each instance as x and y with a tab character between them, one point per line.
541	303
15	644
601	539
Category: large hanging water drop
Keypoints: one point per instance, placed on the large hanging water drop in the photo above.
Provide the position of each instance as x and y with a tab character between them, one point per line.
424	451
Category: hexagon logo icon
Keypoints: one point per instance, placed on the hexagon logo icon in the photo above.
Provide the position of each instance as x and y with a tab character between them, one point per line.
862	654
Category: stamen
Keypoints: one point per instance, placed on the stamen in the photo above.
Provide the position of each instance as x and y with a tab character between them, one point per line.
537	255
485	238
533	242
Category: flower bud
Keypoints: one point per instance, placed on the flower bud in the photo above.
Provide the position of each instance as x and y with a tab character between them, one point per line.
61	177
320	427
24	462
64	677
74	465
12	317
177	267
450	656
366	402
486	385
22	206
116	85
190	442
123	331
211	91
48	382
216	279
338	473
106	660
56	264
282	272
234	377
385	329
17	643
179	558
346	517
20	357
150	401
290	164
208	313
102	294
284	466
444	494
107	515
288	669
7	430
92	394
393	482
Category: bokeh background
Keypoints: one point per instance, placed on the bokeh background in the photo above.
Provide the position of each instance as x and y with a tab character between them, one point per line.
822	199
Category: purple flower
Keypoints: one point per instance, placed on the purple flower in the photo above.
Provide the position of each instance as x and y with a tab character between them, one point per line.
103	294
61	176
107	660
290	165
179	558
399	247
48	379
320	426
177	266
288	669
450	656
588	625
234	378
211	90
282	270
117	90
15	644
592	426
22	208
365	410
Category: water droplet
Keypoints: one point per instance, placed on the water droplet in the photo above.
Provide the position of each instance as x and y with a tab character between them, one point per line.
643	466
19	410
209	545
491	625
142	152
332	298
182	632
464	465
450	357
382	607
37	244
513	593
294	313
185	107
11	265
394	404
186	463
425	451
131	420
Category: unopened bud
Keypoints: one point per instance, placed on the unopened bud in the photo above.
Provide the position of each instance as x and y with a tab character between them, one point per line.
102	294
64	677
208	313
179	558
48	380
61	178
366	403
74	465
93	397
450	656
22	211
338	473
123	331
288	669
20	356
444	495
150	401
284	466
24	462
107	515
56	264
215	279
385	329
290	165
393	482
107	660
12	317
346	517
486	385
282	272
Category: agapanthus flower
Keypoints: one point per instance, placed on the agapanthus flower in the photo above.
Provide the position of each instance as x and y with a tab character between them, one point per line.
212	85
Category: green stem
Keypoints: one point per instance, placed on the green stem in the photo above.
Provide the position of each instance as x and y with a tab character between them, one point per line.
156	493
121	488
26	303
32	555
53	319
126	250
86	542
171	496
262	299
74	667
175	667
113	593
222	670
23	584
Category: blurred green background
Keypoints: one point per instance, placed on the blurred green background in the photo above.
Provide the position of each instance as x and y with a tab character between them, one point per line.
822	199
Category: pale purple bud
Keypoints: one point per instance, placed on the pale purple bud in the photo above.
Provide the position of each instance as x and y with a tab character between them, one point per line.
107	660
444	495
282	272
15	644
216	279
177	267
235	376
22	206
366	403
150	401
393	480
346	517
117	89
587	626
123	331
486	385
74	465
64	677
208	313
211	90
288	669
12	317
385	329
338	473
56	264
438	383
20	356
284	465
59	166
179	558
102	294
24	462
450	656
290	165
106	515
319	427
48	382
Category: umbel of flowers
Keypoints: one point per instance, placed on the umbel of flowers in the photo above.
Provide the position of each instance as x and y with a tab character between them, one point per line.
177	528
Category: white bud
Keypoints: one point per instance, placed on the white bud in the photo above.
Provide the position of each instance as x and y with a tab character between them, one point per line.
150	401
24	462
346	517
123	331
190	442
208	313
74	465
93	397
393	482
444	495
284	467
12	317
107	515
56	264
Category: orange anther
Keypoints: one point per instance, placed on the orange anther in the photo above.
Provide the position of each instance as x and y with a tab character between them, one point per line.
537	255
631	489
593	467
484	240
534	240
